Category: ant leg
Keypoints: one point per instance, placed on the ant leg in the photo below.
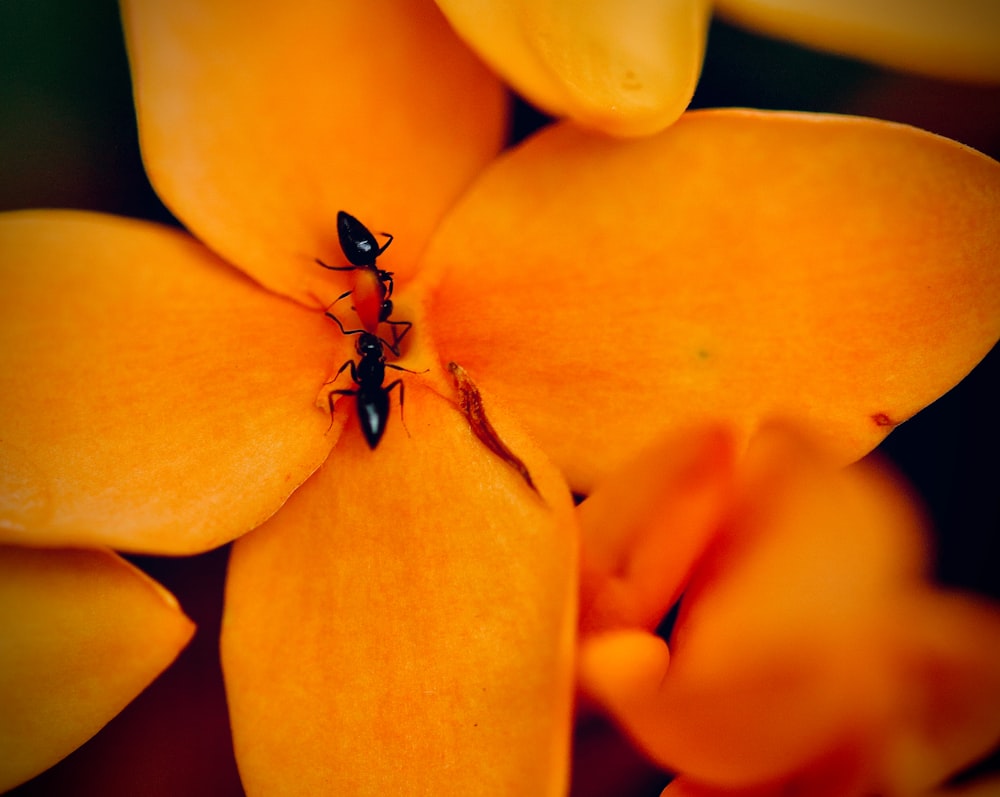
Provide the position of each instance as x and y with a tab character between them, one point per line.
329	401
393	347
329	314
402	392
390	346
408	370
386	244
337	268
323	305
398	336
342	392
348	364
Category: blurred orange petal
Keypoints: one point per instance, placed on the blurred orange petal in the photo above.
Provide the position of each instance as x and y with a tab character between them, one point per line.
625	68
767	671
807	637
739	266
646	525
405	623
949	659
954	39
982	787
260	120
144	384
83	633
832	776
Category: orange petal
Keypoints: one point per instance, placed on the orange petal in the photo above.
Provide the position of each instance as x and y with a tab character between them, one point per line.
645	526
259	121
945	38
151	397
83	633
405	623
739	266
625	68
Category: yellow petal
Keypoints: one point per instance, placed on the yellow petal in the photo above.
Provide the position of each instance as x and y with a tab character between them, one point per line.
405	623
260	120
83	633
739	266
151	397
946	38
625	68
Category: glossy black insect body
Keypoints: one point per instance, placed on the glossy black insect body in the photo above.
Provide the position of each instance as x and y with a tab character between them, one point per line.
371	396
358	242
361	249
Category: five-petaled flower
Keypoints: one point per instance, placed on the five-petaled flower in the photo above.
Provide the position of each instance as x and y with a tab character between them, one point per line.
405	619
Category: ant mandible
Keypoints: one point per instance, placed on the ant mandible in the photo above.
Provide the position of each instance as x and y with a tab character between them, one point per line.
373	290
371	397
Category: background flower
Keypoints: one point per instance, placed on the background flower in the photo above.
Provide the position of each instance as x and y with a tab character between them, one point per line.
630	68
108	178
809	655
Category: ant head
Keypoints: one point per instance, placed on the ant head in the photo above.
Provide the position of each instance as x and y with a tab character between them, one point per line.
369	345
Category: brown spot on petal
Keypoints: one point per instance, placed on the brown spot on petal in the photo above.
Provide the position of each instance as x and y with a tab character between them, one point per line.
881	419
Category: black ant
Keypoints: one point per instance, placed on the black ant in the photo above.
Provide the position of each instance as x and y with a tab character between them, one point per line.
371	396
362	250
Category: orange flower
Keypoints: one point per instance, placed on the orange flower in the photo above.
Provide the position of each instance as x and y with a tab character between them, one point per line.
809	655
406	616
630	68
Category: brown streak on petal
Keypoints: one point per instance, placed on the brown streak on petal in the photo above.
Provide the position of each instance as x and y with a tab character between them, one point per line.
471	403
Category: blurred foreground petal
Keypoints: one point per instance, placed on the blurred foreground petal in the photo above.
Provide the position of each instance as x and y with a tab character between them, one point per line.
83	633
983	787
807	638
645	526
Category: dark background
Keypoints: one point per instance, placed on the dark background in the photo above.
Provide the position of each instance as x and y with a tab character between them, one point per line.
68	139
